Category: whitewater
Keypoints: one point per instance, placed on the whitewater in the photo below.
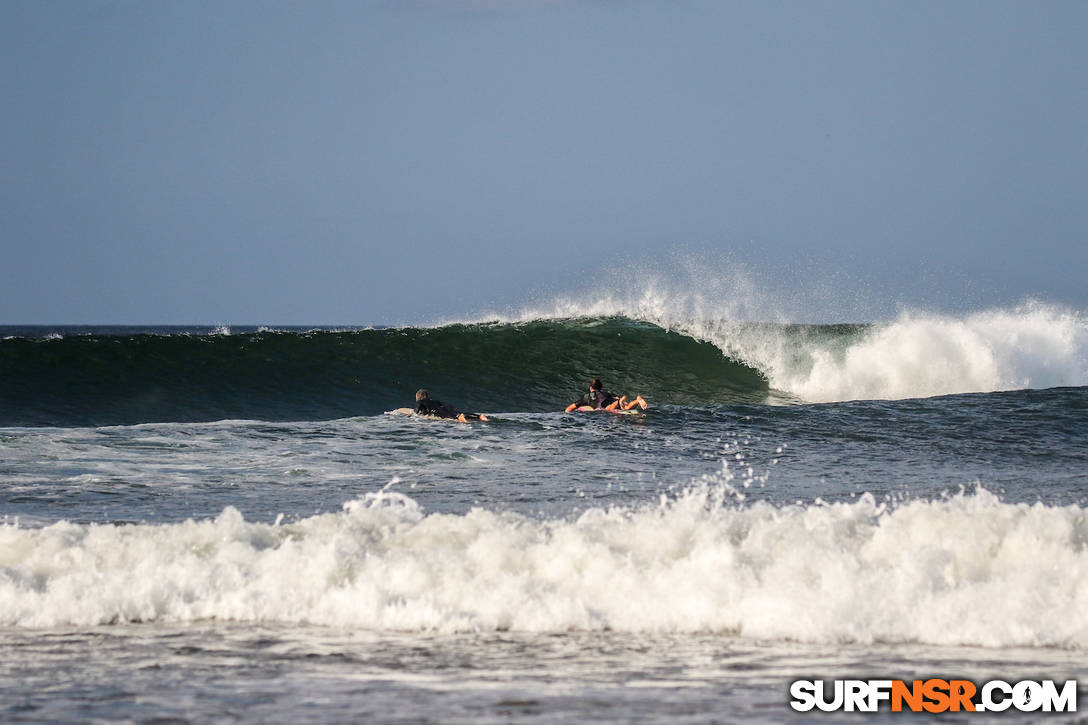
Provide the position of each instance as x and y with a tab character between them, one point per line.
224	524
810	574
917	355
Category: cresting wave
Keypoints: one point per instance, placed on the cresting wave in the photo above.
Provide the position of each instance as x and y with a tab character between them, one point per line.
698	562
534	363
1033	345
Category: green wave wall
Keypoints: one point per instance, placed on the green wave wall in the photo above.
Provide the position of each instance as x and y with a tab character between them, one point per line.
111	379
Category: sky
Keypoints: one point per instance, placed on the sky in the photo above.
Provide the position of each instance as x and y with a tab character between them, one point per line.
355	163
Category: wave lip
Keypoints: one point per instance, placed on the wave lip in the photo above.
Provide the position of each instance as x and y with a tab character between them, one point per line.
857	572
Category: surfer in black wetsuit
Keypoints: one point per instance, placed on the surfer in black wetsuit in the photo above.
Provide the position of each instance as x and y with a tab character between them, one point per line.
425	405
600	399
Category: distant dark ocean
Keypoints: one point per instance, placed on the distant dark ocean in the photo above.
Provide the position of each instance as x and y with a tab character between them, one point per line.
226	524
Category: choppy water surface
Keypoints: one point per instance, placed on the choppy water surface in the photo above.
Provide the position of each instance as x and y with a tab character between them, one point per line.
274	673
684	565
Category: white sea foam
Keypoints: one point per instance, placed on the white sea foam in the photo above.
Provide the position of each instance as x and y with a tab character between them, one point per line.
922	355
969	569
919	354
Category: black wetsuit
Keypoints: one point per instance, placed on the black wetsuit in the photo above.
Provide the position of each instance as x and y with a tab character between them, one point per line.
438	409
596	399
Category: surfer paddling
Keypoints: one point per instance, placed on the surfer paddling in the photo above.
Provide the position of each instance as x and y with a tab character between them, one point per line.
600	399
426	405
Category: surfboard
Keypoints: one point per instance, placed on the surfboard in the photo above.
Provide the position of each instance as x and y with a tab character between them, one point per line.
411	411
617	411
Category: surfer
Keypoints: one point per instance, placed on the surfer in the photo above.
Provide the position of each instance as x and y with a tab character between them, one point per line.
600	399
426	405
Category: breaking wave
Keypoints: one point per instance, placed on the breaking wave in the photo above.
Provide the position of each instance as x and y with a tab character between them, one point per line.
964	570
534	362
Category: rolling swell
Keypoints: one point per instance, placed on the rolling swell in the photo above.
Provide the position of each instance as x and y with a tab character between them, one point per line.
119	379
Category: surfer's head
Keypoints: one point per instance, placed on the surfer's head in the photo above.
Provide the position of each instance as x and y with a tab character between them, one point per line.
422	394
595	384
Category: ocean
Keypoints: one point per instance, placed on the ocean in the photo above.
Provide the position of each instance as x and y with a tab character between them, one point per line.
225	524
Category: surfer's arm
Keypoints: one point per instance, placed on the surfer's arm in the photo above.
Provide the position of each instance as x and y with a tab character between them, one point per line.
570	408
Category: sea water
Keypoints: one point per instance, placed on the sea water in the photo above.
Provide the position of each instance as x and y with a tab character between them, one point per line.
225	525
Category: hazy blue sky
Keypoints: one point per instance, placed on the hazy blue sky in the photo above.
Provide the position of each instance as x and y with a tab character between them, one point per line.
356	163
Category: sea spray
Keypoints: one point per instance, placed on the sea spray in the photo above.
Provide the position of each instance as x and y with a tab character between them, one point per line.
919	354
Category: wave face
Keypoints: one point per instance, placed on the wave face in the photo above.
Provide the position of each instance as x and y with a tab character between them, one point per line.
848	572
316	375
534	364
